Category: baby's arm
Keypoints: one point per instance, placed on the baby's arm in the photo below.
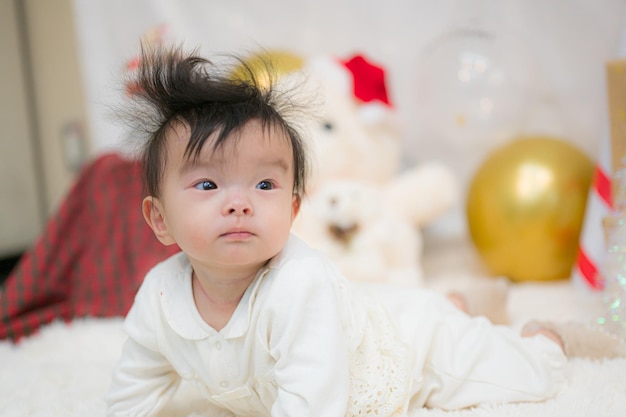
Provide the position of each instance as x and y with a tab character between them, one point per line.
143	380
142	383
308	343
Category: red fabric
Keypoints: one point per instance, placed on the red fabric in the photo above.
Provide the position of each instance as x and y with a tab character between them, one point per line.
368	80
91	257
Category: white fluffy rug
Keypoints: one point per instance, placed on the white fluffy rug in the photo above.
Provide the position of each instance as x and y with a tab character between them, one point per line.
64	370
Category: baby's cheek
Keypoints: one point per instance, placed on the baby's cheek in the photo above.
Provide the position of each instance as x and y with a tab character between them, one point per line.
197	235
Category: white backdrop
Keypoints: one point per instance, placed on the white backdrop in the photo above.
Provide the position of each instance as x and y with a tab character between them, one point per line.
559	47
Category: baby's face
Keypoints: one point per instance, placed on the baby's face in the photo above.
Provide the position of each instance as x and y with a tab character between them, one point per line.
231	208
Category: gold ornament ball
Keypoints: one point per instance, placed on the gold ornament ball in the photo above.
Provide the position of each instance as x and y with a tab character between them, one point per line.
267	64
525	208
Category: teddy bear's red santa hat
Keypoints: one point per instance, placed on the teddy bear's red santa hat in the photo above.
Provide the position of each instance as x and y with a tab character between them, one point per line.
369	80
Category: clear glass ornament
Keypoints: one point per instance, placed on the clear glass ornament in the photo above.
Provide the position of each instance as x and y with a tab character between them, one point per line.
472	83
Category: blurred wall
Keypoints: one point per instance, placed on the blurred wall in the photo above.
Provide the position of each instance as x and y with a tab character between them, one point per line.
74	52
558	47
20	203
58	97
43	115
552	55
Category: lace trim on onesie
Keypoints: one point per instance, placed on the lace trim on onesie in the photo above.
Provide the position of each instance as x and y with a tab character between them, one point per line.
379	369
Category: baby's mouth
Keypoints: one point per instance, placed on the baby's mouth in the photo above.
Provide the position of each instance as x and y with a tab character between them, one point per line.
238	234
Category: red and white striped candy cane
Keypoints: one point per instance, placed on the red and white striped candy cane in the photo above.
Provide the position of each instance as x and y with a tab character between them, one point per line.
592	246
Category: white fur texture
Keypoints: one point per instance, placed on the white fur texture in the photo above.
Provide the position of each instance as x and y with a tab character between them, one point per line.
382	222
353	223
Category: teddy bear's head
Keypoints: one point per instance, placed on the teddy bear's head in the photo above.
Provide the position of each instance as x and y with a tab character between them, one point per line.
340	213
352	223
350	138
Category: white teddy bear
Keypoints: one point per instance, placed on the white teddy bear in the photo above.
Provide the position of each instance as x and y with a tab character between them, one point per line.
361	210
350	222
372	231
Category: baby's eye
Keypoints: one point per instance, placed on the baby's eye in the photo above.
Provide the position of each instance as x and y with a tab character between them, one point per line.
205	185
265	185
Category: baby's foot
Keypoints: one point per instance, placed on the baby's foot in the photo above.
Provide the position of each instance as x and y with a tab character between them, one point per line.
580	340
533	328
459	301
484	297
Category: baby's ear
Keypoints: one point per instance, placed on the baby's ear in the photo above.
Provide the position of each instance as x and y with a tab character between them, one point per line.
295	205
153	213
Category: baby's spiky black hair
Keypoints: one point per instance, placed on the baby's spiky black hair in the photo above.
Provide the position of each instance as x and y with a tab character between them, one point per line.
171	87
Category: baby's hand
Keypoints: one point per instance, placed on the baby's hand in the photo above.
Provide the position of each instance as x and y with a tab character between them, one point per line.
579	340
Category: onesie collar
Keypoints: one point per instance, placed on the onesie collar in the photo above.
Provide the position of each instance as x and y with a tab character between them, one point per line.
182	315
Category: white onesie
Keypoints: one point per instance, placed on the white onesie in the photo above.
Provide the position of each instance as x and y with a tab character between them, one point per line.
303	341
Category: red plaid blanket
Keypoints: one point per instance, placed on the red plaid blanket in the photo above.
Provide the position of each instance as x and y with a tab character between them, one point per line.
91	257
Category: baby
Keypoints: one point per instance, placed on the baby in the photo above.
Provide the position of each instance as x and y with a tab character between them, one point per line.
257	321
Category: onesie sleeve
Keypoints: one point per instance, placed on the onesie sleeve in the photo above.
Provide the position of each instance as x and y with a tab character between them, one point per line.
307	341
143	379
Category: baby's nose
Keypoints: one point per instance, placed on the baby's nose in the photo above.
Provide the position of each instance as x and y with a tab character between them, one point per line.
238	203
